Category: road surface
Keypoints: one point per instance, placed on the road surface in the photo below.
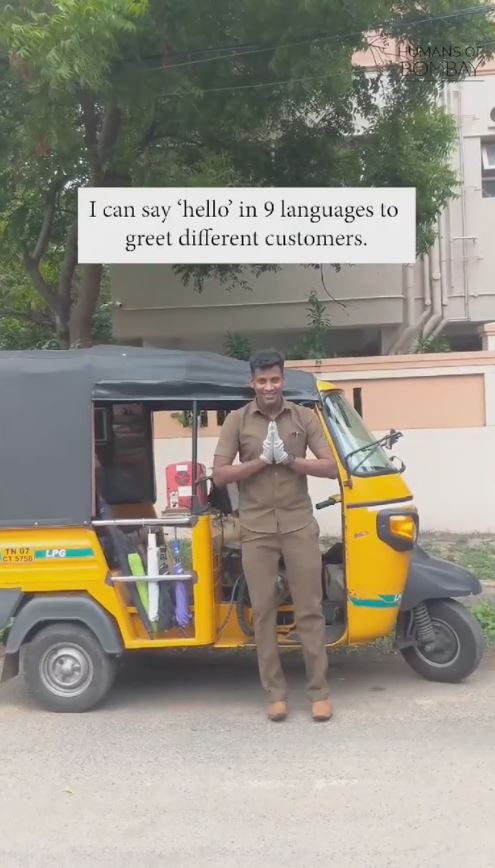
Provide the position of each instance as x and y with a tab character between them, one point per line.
181	769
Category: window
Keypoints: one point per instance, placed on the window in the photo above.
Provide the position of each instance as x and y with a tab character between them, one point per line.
488	169
357	395
353	440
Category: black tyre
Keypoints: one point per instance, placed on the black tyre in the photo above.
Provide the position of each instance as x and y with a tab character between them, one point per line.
66	669
460	648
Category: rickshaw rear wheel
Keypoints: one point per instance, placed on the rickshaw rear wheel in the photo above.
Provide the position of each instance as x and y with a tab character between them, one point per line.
66	669
458	648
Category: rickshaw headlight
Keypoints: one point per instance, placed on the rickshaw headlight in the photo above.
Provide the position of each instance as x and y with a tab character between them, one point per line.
404	527
398	529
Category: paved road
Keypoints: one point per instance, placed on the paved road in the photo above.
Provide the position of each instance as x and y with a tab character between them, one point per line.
180	769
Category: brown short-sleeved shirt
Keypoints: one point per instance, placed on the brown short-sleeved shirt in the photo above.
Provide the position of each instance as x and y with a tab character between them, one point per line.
275	500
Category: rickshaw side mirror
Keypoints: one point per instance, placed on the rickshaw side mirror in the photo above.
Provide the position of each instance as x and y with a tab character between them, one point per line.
393	437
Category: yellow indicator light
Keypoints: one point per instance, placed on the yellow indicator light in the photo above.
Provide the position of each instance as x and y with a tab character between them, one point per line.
404	527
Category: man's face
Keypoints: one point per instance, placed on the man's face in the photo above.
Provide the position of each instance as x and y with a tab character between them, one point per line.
268	385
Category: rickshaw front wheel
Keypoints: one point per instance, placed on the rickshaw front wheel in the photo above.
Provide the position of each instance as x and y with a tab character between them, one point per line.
66	669
458	646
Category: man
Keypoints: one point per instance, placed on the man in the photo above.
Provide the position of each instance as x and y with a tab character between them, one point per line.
271	435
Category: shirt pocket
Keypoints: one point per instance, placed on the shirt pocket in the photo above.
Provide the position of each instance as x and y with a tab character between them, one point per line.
296	441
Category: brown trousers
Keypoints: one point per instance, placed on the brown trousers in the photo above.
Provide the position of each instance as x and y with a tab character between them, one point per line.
301	553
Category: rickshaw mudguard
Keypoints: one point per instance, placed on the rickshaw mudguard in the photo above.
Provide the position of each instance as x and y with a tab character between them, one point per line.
9	601
59	607
432	578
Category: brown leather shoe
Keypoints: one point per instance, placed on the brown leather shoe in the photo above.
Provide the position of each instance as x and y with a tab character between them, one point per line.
322	710
277	711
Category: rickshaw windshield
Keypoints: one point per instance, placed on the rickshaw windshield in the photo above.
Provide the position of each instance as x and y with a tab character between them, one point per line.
351	436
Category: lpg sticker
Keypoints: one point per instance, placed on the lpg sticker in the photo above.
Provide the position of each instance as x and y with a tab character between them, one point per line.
61	554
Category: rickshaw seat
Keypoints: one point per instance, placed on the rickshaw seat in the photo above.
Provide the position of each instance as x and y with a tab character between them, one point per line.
133	510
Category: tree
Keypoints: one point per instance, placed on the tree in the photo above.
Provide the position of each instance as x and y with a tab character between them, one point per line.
134	92
438	344
315	343
238	346
26	321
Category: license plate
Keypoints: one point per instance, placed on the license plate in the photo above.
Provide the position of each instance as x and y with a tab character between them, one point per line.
17	556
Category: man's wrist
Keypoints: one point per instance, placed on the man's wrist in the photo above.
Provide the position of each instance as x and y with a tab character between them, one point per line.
289	461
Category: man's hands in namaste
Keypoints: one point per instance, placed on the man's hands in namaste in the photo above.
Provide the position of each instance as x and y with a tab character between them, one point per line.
274	451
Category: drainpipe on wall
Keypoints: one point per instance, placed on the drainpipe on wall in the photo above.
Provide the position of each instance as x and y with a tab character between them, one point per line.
411	328
407	321
443	281
437	271
436	318
408	346
467	312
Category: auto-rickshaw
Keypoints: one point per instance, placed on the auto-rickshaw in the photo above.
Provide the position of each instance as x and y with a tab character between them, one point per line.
90	571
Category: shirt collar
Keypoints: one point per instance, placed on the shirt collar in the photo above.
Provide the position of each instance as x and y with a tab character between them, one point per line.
253	408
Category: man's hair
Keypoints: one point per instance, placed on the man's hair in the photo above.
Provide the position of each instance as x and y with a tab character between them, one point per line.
264	359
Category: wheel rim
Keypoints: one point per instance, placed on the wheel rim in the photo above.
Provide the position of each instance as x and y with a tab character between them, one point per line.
448	646
66	670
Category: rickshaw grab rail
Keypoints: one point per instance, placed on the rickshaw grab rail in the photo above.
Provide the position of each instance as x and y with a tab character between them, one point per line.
189	576
184	521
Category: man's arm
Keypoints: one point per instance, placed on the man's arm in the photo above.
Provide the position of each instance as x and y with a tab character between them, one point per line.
323	466
225	472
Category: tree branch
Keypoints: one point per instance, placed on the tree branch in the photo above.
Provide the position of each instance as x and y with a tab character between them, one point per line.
90	123
110	130
148	137
46	226
69	265
322	277
83	311
46	291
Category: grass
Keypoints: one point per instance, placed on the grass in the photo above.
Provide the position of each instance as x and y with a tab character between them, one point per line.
477	555
485	613
4	634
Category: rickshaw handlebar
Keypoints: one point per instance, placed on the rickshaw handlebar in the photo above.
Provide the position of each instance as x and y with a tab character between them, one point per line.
330	501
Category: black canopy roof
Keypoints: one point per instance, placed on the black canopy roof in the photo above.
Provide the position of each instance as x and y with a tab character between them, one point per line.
46	419
135	373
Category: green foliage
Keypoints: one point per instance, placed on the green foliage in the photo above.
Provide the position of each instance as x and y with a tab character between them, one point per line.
315	343
185	417
238	346
71	44
422	137
485	613
26	322
130	92
437	344
4	634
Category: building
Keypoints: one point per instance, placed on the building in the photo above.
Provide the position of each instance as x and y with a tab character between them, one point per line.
374	309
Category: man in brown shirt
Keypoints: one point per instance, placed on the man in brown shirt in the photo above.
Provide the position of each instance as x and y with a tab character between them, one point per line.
271	436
